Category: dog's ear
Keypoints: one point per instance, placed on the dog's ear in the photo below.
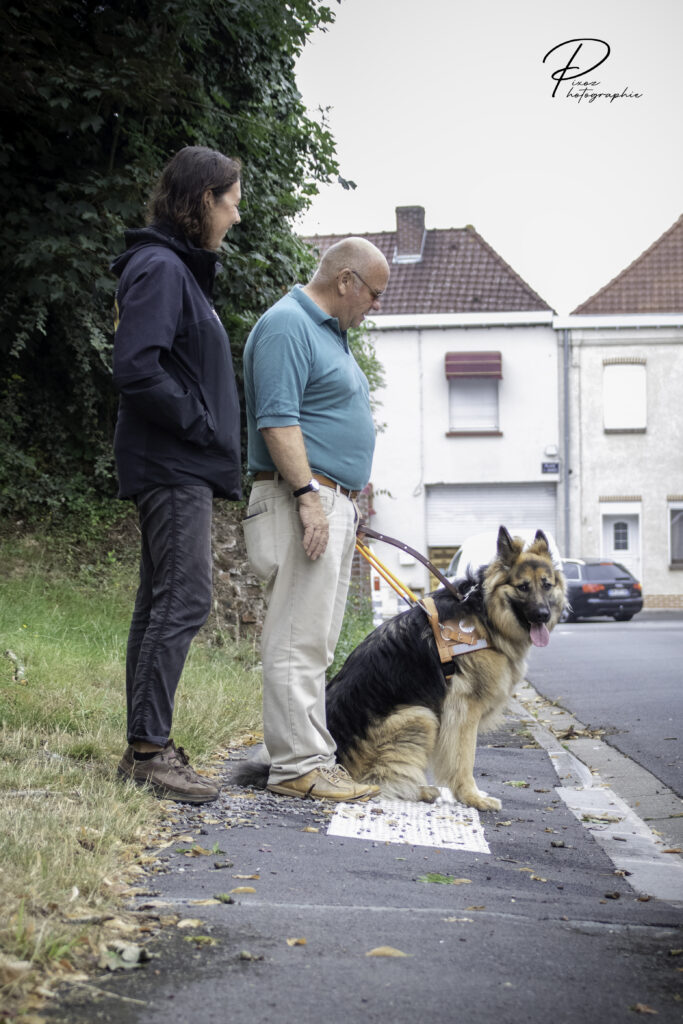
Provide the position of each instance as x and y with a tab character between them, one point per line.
506	550
541	537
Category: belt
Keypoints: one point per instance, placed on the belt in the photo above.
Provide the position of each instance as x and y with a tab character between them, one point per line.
324	480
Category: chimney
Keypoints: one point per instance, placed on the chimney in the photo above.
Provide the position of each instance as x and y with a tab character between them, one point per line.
410	234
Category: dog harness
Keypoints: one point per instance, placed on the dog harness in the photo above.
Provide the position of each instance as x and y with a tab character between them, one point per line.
452	638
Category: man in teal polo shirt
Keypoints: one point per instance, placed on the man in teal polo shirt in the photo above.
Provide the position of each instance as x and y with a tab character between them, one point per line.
311	441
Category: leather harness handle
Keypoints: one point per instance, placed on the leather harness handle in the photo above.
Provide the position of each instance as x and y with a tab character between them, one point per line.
367	532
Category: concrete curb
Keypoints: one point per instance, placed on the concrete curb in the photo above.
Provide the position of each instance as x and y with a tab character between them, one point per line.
609	815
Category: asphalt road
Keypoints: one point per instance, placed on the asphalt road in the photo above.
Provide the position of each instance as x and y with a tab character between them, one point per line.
542	927
626	678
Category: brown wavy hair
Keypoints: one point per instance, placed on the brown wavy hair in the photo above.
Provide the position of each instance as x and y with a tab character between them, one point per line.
179	197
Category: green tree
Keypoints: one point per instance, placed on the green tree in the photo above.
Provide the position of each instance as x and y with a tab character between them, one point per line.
95	96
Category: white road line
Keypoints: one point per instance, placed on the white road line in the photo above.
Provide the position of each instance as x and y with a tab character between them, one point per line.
628	842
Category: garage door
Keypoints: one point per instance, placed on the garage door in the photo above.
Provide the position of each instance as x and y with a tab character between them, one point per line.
455	511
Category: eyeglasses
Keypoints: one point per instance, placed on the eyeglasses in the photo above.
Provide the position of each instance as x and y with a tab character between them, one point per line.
375	294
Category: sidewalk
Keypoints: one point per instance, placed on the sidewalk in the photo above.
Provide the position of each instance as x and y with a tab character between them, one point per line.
510	916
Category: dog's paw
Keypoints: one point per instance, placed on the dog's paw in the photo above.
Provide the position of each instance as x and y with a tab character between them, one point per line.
475	798
429	794
487	803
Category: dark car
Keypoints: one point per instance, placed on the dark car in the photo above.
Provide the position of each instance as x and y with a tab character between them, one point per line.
596	586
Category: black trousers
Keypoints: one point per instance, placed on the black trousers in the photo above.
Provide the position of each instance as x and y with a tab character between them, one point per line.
172	603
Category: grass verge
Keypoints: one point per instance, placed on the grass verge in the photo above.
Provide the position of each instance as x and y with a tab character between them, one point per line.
71	834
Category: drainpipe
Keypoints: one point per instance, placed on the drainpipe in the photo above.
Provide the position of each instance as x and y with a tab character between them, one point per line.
565	459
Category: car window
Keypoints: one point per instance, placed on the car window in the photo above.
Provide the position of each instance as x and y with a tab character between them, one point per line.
570	570
453	565
607	571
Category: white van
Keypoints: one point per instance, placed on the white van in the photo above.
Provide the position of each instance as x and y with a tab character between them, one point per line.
480	548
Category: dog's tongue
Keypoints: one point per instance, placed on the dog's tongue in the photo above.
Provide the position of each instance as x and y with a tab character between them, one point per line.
540	637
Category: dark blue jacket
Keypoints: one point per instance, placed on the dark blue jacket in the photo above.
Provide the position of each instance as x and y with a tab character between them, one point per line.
179	420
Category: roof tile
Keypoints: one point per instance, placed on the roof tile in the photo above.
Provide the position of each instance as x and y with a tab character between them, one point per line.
458	273
653	283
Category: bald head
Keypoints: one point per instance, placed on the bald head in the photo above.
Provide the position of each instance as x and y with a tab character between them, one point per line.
350	254
349	281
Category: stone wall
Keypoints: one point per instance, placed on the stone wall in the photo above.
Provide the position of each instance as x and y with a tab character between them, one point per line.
239	607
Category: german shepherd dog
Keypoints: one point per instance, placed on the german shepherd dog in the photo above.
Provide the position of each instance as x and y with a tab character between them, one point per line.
393	709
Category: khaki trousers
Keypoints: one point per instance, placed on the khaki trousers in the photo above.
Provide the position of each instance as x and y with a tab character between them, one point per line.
306	602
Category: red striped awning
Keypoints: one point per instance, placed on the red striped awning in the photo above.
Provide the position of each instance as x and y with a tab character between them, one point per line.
474	364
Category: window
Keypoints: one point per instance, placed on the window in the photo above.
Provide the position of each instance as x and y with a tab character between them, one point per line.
676	534
473	391
606	571
620	537
624	396
473	405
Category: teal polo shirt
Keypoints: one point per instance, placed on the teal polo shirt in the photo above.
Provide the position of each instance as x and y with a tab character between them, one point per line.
298	369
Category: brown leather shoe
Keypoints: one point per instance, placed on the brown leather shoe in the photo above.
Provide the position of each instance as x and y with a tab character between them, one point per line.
169	775
326	783
126	764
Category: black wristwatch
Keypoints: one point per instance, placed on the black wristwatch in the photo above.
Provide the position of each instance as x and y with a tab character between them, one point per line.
312	485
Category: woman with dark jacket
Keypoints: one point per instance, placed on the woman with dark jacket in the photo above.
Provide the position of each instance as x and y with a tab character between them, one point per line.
177	443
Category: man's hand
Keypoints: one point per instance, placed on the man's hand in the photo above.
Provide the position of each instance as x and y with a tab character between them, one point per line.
316	527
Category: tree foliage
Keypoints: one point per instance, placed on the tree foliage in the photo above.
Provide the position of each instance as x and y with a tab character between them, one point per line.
95	96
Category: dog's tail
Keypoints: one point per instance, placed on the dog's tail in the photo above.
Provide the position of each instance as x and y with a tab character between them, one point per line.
252	773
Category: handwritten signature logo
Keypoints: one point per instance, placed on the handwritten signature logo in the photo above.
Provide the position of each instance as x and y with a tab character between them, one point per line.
583	56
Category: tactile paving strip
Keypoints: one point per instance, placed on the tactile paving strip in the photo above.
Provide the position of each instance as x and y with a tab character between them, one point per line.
444	824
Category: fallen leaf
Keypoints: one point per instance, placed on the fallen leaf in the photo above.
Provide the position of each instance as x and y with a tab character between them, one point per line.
243	888
118	925
296	942
201	940
612	895
204	903
444	879
385	951
482	907
224	897
246	876
246	955
11	969
537	878
122	956
309	828
197	851
673	849
643	1008
190	922
519	783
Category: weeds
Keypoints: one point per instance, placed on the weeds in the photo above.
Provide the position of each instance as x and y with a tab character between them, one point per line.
70	831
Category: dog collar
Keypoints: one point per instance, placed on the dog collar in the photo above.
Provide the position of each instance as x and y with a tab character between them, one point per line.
452	638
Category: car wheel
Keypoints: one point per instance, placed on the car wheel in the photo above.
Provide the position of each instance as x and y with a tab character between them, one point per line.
623	617
567	615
